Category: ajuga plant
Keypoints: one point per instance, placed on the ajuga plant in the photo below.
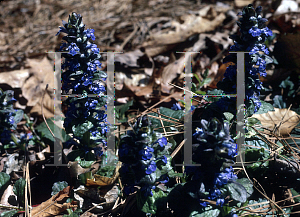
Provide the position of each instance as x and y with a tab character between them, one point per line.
146	163
211	182
253	33
85	117
9	117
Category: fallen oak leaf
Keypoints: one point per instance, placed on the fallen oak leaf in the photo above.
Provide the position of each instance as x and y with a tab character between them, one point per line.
280	121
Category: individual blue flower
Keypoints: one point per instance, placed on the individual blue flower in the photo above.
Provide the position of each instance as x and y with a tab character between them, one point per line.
93	48
151	168
220	202
92	104
199	133
267	31
264	49
231	148
162	142
261	63
204	203
164	179
90	33
146	153
254	50
87	80
91	67
73	49
215	193
224	177
164	159
254	31
176	107
97	88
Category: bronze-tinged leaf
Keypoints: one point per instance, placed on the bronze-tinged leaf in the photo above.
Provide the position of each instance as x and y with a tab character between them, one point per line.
99	181
280	121
102	180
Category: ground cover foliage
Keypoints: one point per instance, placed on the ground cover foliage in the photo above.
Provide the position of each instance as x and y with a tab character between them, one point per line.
141	175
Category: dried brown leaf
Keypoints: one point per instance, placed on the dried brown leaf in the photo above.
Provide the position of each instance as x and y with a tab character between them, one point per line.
102	180
280	121
14	78
51	207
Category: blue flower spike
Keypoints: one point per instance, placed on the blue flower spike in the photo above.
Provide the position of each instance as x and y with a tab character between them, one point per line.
84	118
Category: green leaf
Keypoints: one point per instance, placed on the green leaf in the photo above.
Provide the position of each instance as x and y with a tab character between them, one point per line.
228	116
252	121
107	171
42	128
172	174
81	129
196	76
17	118
295	193
278	102
207	213
19	189
8	213
75	213
152	204
253	154
200	92
264	108
146	204
4	180
58	186
194	87
247	185
237	191
84	163
255	141
82	177
121	109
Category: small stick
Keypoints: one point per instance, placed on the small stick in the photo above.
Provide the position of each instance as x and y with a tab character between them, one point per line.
161	122
178	148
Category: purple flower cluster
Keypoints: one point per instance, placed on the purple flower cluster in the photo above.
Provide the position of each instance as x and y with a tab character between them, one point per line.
81	75
144	154
212	147
9	117
253	33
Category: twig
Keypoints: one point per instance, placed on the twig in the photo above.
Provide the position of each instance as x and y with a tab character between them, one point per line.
161	122
178	148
